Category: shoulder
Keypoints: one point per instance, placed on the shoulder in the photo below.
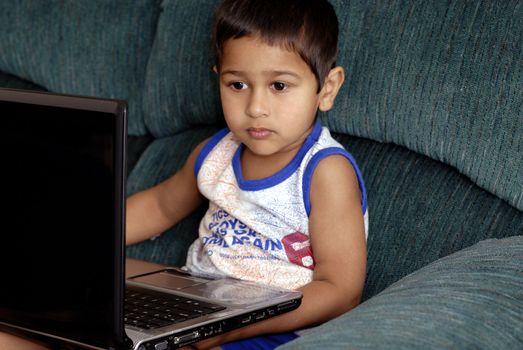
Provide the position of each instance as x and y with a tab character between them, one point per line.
334	175
336	180
332	168
207	146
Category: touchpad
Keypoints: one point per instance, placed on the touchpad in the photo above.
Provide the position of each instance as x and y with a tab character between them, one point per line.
169	279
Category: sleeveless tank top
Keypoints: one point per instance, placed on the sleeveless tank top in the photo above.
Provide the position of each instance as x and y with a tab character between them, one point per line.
258	230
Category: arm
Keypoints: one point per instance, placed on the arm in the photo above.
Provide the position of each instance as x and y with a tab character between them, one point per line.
158	208
338	241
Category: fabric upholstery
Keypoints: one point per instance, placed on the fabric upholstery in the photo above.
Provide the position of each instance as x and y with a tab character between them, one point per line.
469	300
12	82
95	48
181	88
136	145
442	78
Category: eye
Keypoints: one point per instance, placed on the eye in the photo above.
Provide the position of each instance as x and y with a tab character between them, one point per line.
279	86
238	85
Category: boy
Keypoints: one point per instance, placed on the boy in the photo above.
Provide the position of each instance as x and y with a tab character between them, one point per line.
275	179
287	203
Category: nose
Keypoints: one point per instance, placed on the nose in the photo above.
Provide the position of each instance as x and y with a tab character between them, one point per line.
258	104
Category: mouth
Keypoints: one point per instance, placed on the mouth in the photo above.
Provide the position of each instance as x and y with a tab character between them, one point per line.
259	133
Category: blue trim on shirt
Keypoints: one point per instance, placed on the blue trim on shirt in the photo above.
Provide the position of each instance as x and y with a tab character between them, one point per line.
313	163
280	176
208	148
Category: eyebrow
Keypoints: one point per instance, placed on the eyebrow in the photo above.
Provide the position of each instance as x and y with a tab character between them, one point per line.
271	73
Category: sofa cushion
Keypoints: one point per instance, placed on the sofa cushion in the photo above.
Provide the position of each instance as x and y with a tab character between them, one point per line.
181	88
470	300
96	47
421	210
442	78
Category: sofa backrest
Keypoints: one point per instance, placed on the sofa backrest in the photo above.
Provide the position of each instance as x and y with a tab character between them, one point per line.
181	89
442	78
95	48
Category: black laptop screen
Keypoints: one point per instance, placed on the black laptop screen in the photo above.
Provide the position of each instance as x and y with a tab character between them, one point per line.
59	220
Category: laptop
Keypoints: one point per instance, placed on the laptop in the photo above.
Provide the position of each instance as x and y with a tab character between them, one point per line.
62	253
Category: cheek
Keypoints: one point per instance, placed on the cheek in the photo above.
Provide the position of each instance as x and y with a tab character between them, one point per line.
230	106
233	115
299	107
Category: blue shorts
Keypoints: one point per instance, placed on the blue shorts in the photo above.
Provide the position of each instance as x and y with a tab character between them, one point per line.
265	342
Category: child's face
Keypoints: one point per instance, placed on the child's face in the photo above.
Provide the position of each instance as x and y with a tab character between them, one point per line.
269	95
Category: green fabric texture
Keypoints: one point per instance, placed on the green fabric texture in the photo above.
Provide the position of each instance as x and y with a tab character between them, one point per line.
11	82
181	88
95	48
470	300
442	78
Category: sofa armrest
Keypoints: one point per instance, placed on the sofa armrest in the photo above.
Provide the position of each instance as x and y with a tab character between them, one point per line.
472	299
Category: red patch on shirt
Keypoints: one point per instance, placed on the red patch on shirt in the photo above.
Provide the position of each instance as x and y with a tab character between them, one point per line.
299	250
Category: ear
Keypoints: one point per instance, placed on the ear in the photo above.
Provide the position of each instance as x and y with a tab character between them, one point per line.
330	88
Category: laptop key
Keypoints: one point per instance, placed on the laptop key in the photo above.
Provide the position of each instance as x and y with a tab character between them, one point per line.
149	310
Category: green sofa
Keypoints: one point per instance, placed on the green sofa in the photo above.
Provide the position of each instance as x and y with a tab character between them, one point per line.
432	109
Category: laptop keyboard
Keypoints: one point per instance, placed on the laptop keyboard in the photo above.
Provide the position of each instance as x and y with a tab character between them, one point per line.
147	310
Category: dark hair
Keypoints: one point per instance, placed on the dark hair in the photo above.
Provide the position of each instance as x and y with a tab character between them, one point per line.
307	27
